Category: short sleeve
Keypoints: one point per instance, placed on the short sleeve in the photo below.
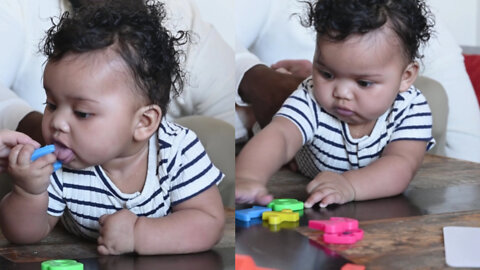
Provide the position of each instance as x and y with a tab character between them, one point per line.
414	121
56	203
192	171
301	108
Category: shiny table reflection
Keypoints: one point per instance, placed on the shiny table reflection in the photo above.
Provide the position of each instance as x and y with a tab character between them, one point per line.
441	186
62	245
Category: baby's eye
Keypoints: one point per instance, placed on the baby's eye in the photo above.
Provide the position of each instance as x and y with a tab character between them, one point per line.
82	115
327	75
50	106
363	83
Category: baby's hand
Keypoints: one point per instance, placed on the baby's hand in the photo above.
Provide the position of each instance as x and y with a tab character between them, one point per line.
251	191
328	188
117	233
31	177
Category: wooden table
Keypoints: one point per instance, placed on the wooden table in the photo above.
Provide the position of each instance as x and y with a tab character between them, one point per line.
62	245
401	232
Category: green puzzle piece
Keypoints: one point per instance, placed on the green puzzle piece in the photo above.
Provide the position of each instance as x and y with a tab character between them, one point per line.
280	204
62	265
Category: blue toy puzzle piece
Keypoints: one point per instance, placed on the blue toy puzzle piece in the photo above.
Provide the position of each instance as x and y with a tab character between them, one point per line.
246	224
42	151
249	213
57	165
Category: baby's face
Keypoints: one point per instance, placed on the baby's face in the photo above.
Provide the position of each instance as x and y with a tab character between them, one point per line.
90	109
358	79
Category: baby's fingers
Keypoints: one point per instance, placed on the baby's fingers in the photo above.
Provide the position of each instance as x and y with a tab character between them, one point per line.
243	197
331	199
263	199
318	196
313	185
258	196
20	154
103	250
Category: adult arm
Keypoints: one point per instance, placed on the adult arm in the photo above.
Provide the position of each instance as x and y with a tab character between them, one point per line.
209	65
265	90
259	44
20	79
444	63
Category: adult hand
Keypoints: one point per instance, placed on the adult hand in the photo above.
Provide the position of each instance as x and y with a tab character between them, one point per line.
300	68
8	140
265	90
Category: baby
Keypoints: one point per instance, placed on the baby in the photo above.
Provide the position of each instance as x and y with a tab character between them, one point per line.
361	127
131	180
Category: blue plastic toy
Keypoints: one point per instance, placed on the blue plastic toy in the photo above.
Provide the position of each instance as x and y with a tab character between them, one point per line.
42	151
251	213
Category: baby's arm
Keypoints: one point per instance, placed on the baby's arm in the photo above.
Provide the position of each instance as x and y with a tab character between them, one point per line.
387	176
263	155
194	225
23	211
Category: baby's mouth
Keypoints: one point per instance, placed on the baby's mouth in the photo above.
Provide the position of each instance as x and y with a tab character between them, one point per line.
344	112
63	153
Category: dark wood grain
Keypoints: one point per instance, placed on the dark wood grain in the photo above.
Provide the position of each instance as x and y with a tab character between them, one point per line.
400	243
62	245
401	232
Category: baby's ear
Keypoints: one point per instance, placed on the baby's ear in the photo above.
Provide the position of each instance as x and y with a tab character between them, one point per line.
149	118
409	76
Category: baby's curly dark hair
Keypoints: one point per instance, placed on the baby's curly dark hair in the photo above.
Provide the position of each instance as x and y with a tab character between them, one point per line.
134	29
335	20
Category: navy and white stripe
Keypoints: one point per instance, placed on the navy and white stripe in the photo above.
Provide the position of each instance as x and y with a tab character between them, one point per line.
178	169
328	145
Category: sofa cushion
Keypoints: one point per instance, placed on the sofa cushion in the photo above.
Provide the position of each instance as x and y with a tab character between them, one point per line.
472	64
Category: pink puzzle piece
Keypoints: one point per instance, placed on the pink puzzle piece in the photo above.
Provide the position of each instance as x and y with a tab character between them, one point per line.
338	230
334	225
347	237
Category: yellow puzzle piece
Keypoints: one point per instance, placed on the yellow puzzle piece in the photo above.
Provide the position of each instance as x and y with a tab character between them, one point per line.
275	217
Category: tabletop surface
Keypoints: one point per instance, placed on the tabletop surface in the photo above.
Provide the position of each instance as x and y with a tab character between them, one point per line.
401	232
62	245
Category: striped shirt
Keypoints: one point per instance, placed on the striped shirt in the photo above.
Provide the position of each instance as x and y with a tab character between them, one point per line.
178	169
328	145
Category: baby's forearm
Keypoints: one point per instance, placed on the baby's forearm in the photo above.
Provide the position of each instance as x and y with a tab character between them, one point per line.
267	151
388	176
23	217
185	231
